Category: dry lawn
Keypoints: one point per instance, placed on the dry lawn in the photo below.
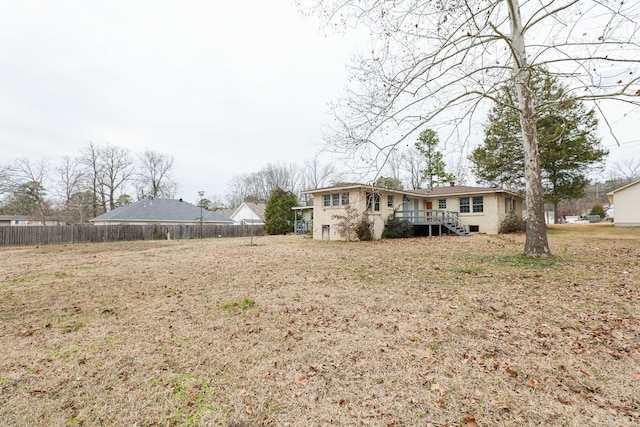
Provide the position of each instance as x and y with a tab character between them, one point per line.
447	331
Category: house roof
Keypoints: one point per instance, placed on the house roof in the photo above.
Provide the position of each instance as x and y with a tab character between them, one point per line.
257	208
166	210
624	187
450	190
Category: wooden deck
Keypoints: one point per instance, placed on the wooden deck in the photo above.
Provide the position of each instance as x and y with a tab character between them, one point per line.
436	221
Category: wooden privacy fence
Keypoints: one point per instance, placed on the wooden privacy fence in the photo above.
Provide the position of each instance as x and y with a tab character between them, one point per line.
60	234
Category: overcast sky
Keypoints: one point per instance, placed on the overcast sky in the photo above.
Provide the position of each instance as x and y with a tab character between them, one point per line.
225	87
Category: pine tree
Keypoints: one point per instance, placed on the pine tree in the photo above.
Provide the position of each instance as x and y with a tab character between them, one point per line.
434	171
278	215
569	145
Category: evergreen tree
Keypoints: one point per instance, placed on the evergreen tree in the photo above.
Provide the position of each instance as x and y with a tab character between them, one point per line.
278	215
389	182
569	146
434	171
28	199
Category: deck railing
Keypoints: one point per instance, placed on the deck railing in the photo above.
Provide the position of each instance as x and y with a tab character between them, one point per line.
302	227
448	219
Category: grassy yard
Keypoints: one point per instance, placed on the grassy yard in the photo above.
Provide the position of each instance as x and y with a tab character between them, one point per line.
446	331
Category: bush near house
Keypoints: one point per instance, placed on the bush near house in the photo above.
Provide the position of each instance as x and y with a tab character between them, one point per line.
364	229
513	224
397	228
598	210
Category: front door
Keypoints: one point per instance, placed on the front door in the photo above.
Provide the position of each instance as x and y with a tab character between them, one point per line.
428	206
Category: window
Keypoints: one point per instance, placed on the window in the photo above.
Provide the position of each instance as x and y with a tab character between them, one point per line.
390	202
442	204
509	206
464	205
474	228
478	204
336	199
373	201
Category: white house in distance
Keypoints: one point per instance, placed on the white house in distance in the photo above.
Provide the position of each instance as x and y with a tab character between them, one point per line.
248	213
627	205
442	210
26	220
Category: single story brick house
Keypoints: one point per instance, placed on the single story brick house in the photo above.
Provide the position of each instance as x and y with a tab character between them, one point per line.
442	210
160	212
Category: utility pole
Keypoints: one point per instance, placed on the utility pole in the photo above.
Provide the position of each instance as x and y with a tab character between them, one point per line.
201	194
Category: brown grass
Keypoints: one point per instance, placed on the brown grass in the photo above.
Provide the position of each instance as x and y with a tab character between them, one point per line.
290	331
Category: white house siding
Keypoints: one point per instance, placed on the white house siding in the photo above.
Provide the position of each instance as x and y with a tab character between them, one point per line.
627	206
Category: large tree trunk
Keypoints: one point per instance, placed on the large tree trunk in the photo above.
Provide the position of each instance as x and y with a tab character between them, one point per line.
536	243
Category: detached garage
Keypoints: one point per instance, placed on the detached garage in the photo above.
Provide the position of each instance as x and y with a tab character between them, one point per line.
627	205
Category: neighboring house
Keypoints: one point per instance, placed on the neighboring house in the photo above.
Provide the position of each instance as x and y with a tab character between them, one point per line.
22	220
627	205
248	213
441	210
160	211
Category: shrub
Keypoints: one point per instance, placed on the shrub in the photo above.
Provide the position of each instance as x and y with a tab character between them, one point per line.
397	228
347	223
513	224
598	210
363	229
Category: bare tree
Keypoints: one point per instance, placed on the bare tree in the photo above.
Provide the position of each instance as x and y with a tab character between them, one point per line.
93	170
287	177
628	170
257	186
319	175
153	176
414	163
109	170
5	183
437	62
237	191
117	172
72	194
27	182
393	166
